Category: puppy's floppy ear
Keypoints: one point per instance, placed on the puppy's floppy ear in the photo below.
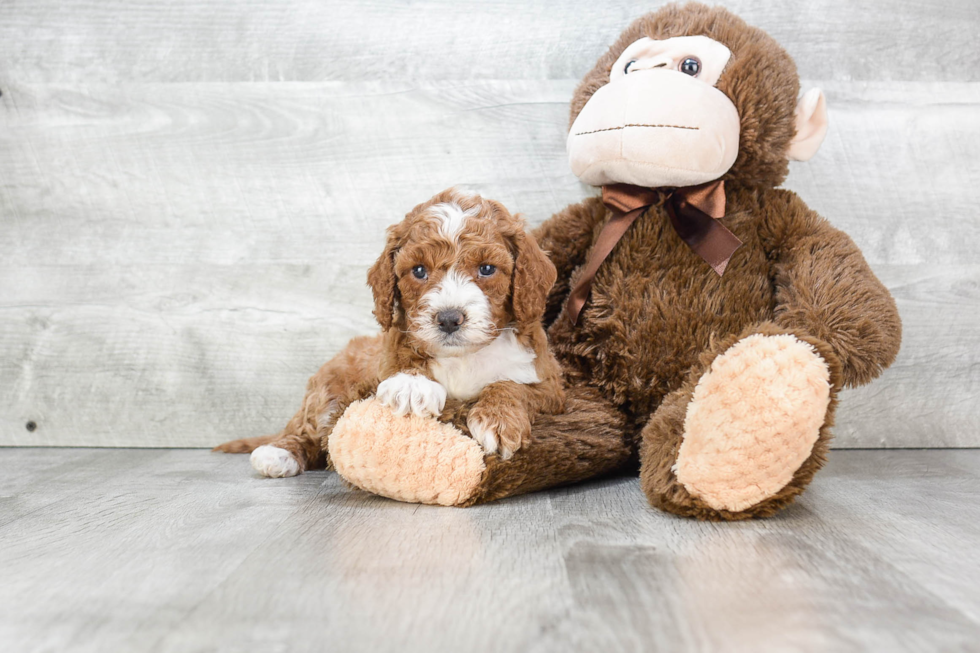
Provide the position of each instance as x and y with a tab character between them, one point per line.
381	277
534	275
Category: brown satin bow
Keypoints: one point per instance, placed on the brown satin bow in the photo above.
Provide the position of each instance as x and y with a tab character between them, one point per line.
693	212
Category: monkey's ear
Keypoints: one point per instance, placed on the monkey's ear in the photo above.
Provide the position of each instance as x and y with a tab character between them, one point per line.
811	126
381	277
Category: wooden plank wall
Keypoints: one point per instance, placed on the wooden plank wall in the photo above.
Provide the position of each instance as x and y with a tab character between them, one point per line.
192	191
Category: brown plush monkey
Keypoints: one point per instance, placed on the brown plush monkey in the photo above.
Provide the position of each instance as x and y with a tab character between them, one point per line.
705	318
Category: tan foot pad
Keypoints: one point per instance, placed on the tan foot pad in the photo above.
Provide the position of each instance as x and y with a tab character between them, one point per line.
411	458
753	420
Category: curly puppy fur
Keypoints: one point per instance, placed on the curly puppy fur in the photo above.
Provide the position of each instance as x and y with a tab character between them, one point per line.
456	255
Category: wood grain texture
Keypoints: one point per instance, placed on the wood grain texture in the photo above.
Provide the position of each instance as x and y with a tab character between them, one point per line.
120	41
185	237
189	551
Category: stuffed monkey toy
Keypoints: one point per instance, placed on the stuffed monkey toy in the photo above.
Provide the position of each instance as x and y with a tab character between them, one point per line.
705	318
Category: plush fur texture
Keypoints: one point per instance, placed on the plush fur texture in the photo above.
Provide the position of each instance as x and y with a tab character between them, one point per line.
399	466
428	461
456	253
657	309
664	434
753	419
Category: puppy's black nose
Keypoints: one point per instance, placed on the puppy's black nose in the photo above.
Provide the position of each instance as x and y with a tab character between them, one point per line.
449	321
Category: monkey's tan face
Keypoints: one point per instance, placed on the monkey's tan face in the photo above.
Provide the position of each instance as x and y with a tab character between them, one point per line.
659	121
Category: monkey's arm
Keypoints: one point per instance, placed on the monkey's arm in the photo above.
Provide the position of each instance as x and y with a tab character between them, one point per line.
566	237
825	288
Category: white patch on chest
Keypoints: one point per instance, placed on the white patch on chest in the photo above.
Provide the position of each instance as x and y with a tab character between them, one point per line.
504	359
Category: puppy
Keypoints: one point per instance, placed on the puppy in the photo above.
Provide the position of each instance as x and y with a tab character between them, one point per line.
459	292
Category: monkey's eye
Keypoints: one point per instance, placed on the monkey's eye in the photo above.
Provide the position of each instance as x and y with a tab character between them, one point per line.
626	69
690	66
419	272
487	270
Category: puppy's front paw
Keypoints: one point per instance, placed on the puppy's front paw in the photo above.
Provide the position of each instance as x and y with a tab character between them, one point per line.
501	429
274	462
405	393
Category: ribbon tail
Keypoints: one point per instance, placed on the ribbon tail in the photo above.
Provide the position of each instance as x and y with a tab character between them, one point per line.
608	237
693	212
707	237
724	246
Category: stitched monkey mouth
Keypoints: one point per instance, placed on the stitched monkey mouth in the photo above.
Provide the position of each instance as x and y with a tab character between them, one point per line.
612	129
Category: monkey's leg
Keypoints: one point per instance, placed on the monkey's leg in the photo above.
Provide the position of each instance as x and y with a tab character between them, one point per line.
421	460
746	432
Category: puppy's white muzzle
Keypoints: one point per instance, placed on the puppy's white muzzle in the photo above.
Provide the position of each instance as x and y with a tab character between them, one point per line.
455	316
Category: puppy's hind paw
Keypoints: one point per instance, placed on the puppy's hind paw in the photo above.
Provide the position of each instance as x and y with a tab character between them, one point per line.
274	462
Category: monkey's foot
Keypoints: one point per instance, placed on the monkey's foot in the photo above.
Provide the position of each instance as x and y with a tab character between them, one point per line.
753	420
408	458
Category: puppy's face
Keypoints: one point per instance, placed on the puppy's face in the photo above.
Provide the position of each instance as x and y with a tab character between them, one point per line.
457	270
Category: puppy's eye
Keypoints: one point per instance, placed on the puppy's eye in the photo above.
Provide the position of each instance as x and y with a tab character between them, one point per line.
486	270
419	272
626	69
690	66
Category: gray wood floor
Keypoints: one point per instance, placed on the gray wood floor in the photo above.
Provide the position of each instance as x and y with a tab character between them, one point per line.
185	550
